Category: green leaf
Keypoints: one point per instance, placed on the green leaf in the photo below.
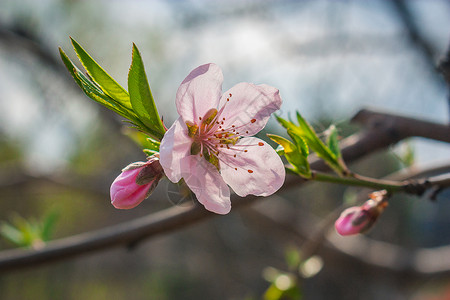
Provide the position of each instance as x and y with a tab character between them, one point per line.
306	132
101	77
12	234
333	142
293	155
48	225
148	144
93	91
300	142
141	96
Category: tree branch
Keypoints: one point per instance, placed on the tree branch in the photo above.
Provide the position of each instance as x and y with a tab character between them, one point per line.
285	223
354	147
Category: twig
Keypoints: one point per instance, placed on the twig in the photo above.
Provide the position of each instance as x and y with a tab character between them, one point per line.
420	262
354	147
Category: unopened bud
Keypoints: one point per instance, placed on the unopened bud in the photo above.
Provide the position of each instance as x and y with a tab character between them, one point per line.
359	219
136	182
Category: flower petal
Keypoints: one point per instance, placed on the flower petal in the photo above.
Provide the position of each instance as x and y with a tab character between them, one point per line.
175	145
206	183
257	169
249	107
199	92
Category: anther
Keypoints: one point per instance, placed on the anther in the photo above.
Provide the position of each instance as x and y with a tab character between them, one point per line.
253	120
235	169
245	150
250	171
261	143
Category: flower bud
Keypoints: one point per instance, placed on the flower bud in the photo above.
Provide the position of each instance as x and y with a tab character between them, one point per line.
136	182
358	219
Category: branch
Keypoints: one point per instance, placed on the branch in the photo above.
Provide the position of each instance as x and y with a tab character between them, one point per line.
285	223
354	147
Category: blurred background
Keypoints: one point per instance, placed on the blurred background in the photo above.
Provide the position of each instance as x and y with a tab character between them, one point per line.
60	151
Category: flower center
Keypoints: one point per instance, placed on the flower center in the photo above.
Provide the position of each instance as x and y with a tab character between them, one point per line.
210	135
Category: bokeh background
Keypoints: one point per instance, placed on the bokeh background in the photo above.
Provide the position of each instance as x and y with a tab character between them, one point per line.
59	151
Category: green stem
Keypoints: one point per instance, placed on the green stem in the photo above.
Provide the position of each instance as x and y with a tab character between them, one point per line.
358	180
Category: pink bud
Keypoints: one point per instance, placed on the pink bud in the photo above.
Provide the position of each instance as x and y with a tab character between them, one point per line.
359	219
352	221
136	182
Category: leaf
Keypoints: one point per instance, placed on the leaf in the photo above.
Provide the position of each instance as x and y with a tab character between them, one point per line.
300	142
141	96
306	132
314	142
333	142
93	91
148	144
101	77
293	155
48	225
12	234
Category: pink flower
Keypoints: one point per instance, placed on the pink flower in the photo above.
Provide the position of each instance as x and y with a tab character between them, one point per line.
209	144
136	182
358	219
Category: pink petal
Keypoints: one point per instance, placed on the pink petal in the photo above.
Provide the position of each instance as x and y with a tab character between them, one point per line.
125	193
260	170
175	145
199	92
249	107
206	183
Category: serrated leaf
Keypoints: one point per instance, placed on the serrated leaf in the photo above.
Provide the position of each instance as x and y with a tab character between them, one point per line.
101	77
333	142
315	143
69	65
93	91
293	155
300	142
141	96
306	132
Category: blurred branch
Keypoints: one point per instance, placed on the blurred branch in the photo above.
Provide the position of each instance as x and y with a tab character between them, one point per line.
429	53
444	68
19	39
425	48
393	129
